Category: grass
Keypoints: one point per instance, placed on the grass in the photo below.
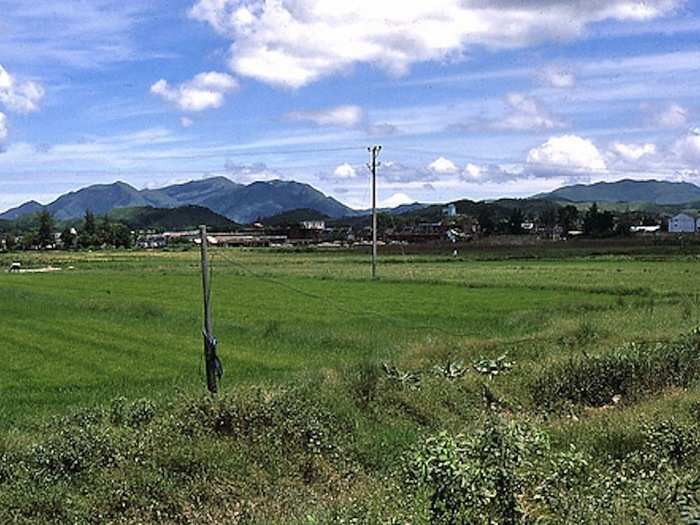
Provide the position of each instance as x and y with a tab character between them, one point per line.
311	428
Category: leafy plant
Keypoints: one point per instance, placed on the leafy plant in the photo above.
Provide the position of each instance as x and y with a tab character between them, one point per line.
480	477
403	378
493	367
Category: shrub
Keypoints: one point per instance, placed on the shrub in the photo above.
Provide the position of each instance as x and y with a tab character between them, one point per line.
73	450
632	371
479	478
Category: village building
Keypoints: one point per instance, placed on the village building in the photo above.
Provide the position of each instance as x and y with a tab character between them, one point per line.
683	223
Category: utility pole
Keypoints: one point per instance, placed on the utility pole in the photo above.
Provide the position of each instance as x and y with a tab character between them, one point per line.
213	366
373	165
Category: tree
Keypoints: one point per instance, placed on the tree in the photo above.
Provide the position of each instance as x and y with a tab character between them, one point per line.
45	237
597	223
568	217
105	233
486	220
121	236
10	242
548	216
88	234
515	222
68	238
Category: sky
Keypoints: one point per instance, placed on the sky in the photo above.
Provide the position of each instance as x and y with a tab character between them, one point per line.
469	98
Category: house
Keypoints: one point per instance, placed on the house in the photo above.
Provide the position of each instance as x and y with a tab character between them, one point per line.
313	225
683	223
450	210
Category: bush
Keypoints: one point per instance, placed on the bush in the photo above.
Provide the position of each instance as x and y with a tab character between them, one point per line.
479	478
632	371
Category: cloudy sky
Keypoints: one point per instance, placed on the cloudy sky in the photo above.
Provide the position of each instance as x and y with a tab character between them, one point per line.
469	98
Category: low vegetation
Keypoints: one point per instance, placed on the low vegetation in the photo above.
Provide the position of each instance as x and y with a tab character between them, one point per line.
455	391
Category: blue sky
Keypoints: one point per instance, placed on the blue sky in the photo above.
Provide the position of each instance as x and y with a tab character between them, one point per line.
469	98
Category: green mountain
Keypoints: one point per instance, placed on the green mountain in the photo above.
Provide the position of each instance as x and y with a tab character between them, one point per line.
293	217
653	191
237	202
27	208
182	218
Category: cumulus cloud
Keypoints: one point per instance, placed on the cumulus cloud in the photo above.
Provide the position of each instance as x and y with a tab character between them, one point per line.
674	116
3	127
566	153
688	148
526	114
442	165
186	122
345	171
522	113
633	152
22	97
340	116
558	78
295	42
397	199
204	91
246	174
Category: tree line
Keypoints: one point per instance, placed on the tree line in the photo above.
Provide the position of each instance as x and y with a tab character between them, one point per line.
92	233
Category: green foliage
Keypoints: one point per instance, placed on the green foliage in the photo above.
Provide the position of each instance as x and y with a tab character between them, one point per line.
493	367
44	237
631	371
479	477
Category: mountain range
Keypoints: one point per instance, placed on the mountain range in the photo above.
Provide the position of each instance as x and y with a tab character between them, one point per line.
651	191
266	199
237	202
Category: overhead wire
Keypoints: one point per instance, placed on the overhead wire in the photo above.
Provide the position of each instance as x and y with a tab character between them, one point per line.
365	313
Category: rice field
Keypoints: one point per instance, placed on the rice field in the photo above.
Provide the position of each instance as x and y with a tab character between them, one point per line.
102	368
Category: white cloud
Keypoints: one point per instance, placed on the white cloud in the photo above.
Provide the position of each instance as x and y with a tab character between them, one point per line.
22	97
566	152
688	148
526	114
473	171
558	78
204	91
674	116
442	165
345	171
296	42
186	122
246	174
633	152
341	116
3	127
397	199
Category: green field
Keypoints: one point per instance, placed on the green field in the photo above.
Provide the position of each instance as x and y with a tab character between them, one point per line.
112	324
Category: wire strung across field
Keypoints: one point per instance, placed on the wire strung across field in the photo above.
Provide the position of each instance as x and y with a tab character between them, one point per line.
366	314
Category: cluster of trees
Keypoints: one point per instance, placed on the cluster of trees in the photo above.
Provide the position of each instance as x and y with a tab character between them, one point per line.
91	234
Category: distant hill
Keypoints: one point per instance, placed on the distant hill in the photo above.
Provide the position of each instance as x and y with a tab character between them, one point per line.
27	208
237	202
182	218
653	191
295	217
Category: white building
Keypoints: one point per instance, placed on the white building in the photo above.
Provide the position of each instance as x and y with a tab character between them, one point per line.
450	210
683	223
313	225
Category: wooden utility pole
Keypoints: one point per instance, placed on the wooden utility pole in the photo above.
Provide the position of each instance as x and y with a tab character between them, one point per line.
212	362
373	164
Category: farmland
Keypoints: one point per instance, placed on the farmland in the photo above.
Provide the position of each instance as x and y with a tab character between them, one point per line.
312	331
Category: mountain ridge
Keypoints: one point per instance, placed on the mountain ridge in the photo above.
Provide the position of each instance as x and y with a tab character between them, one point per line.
627	190
238	202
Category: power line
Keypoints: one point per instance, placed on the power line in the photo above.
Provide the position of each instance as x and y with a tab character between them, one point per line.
365	314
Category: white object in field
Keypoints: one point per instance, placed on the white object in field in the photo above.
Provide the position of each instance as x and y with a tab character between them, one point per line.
15	267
